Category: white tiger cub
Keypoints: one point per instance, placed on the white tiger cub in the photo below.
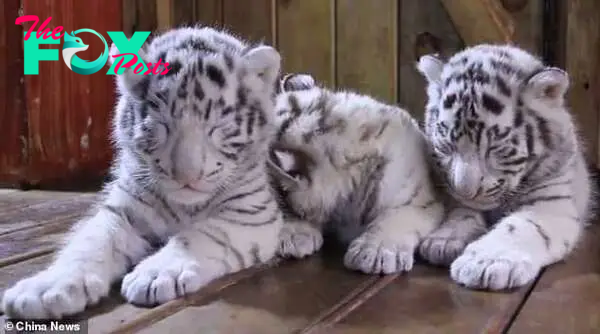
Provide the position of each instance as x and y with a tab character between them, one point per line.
355	167
509	151
192	147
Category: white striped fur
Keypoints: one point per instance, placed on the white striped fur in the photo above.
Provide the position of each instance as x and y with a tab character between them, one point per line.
508	149
353	168
189	177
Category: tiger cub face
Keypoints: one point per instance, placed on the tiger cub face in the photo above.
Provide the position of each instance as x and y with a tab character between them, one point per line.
191	129
492	112
297	159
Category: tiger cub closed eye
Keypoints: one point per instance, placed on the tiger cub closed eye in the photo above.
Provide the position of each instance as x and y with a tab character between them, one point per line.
507	147
190	175
353	168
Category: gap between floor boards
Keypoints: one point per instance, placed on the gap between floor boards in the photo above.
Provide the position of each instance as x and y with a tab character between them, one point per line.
348	304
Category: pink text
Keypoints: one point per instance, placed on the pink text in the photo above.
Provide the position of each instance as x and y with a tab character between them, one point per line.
42	32
151	69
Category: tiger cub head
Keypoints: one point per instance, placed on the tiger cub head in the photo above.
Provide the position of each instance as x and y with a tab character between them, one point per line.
297	152
192	129
493	112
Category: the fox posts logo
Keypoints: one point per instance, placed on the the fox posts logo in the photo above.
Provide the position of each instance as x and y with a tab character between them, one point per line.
73	44
125	49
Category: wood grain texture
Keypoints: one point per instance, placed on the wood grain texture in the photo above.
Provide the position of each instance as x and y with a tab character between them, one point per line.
252	20
26	251
139	15
554	32
183	12
13	273
305	38
37	214
496	21
367	47
38	221
527	17
68	113
13	117
349	303
209	12
583	65
47	236
565	300
161	15
425	28
131	319
281	300
318	295
480	21
425	301
597	134
164	14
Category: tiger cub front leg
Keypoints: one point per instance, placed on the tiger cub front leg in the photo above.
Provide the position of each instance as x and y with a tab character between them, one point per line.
447	242
195	257
96	254
512	254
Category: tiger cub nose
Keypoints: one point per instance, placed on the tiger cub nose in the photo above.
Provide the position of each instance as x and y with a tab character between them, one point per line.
187	178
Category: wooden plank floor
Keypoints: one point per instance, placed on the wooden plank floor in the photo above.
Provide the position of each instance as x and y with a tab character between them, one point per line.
316	295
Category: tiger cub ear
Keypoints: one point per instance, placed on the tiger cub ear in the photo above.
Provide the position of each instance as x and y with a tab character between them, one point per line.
548	86
264	61
283	165
128	82
296	81
430	66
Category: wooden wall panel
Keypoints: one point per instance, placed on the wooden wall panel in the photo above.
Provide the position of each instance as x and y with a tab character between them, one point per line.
61	129
164	14
305	38
367	47
596	136
498	21
583	65
69	113
480	21
13	118
172	13
527	17
425	27
184	12
139	15
252	20
209	12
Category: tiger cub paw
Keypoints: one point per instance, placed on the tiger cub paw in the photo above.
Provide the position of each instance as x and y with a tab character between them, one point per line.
377	254
54	293
493	268
299	239
441	250
160	278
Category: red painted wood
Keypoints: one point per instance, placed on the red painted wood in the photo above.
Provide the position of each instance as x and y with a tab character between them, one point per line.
13	126
69	113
